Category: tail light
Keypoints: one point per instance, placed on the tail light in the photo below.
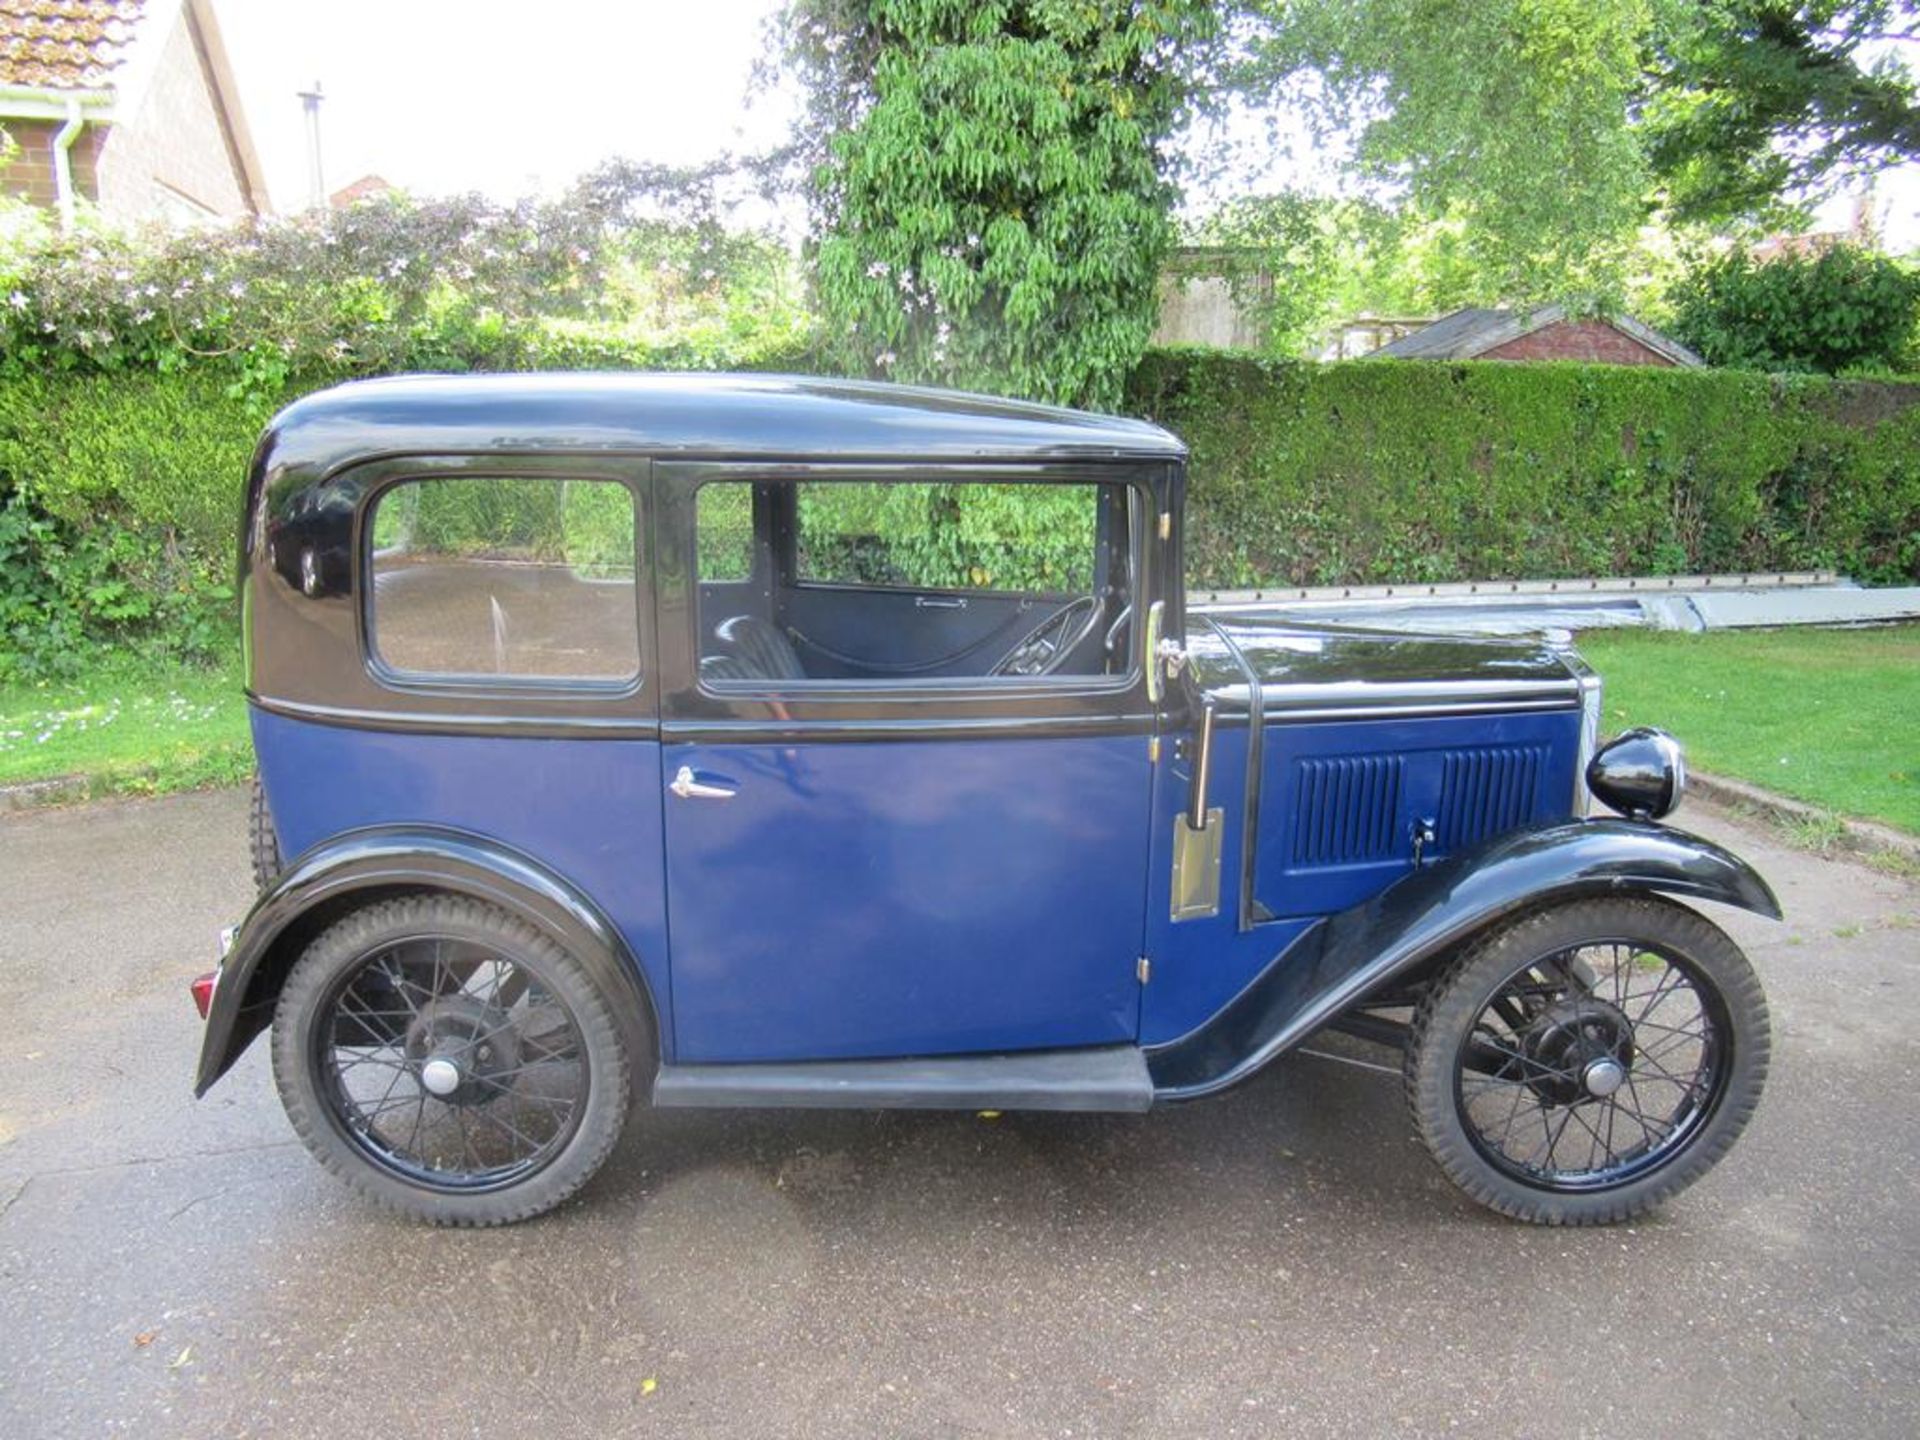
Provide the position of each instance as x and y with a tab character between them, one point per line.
202	988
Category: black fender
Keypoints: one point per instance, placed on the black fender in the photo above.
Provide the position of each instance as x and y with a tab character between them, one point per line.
360	866
1350	955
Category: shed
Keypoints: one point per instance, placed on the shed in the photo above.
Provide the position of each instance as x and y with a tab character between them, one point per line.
1548	333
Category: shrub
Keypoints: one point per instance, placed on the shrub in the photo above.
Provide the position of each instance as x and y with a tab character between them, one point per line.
119	496
121	493
1845	309
1381	471
636	253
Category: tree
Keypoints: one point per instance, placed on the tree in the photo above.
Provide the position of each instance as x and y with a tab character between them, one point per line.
1506	122
1841	310
992	183
1751	102
1544	134
1296	263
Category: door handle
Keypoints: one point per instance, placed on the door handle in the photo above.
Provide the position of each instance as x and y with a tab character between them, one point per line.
688	788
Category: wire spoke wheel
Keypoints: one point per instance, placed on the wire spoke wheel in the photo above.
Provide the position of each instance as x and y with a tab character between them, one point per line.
451	1061
1576	1083
451	1064
1588	1061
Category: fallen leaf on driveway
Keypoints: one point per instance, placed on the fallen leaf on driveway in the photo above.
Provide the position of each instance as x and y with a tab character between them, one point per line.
649	1385
145	1338
180	1359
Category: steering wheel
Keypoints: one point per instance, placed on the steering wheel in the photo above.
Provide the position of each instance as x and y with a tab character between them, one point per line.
1043	648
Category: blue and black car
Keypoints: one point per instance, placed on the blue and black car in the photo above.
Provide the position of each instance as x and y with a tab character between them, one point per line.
770	741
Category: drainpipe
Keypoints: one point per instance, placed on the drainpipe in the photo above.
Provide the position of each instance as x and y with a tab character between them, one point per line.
63	139
72	108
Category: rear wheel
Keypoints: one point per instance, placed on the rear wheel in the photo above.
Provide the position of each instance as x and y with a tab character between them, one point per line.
1587	1062
263	841
447	1059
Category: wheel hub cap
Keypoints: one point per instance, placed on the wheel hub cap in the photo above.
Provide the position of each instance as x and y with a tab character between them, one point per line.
462	1049
1604	1076
1581	1049
440	1075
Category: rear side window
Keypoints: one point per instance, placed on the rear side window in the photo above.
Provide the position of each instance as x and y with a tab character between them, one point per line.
530	579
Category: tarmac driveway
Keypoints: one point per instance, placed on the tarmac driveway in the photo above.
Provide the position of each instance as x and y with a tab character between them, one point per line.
1281	1260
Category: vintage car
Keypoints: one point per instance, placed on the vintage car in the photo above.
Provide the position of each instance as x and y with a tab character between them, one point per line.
770	741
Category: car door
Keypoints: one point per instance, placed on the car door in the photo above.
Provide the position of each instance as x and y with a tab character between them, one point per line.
898	862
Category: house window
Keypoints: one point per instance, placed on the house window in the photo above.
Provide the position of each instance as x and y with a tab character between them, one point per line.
529	579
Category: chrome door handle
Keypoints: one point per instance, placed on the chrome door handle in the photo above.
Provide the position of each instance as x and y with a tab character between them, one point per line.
687	788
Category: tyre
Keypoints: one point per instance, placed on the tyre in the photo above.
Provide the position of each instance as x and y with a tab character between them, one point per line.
263	841
447	1059
1587	1062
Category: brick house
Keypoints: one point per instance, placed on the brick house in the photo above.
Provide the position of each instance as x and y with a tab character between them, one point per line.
1545	334
130	104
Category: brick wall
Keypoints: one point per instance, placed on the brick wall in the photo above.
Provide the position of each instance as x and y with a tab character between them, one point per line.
1591	340
30	175
177	140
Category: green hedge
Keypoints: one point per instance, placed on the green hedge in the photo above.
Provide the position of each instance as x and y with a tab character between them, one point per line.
1377	471
119	496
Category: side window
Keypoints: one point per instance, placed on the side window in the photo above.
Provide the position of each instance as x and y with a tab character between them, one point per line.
724	524
948	537
530	579
912	583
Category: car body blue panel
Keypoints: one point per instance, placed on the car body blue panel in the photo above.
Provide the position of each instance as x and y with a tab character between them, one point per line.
1338	805
907	897
1340	799
1201	964
587	809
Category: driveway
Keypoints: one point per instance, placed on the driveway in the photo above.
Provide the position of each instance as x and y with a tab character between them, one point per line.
1281	1260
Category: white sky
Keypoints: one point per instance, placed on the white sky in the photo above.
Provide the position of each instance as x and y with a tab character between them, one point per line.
501	96
510	97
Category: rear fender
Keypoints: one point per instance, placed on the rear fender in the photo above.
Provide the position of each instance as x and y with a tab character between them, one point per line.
361	867
1349	956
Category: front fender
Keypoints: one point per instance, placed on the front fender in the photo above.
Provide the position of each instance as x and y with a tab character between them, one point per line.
363	864
1349	955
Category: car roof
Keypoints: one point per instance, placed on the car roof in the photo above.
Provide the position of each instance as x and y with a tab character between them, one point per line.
707	416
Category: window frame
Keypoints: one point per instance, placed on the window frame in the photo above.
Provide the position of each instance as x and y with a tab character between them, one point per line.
429	683
782	552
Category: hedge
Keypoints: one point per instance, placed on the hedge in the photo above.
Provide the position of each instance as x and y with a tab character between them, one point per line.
1379	471
1371	471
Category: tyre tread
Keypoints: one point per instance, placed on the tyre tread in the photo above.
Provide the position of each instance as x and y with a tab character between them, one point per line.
1429	1078
263	840
351	937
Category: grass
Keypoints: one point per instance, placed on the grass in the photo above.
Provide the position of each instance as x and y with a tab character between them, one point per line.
137	727
1830	717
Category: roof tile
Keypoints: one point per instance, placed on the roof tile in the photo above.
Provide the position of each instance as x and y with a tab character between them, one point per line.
64	44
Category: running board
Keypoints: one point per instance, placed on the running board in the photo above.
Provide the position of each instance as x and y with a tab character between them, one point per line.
1108	1077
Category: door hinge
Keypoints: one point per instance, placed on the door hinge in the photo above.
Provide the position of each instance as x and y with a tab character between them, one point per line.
1144	969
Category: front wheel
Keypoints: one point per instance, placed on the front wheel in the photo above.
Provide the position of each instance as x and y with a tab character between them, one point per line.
447	1059
1587	1062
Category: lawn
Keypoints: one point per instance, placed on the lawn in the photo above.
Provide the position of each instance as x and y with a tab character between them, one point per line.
1831	717
130	726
